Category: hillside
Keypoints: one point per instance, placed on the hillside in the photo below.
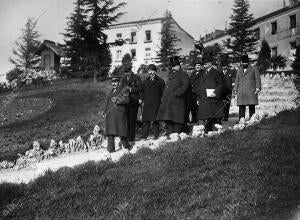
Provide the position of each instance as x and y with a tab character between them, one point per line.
250	174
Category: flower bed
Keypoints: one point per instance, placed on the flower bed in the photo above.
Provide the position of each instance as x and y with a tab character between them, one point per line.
17	110
37	154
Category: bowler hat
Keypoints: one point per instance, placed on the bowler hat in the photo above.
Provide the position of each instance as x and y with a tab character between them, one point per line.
127	66
152	67
174	61
224	61
245	58
198	60
116	74
207	58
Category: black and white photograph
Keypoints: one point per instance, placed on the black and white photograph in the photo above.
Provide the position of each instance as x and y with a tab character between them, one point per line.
150	109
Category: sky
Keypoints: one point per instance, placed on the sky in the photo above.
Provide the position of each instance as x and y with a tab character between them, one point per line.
197	17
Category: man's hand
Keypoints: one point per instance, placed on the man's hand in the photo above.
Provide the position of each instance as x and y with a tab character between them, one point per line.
257	91
234	92
140	101
198	102
103	114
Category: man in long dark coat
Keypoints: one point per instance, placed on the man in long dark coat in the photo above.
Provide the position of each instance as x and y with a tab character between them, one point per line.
247	86
152	91
115	113
173	105
134	84
210	93
192	99
229	78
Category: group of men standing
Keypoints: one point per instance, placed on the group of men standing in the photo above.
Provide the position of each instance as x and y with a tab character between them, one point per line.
206	94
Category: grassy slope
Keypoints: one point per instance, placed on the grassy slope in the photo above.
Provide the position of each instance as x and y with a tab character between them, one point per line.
75	111
247	174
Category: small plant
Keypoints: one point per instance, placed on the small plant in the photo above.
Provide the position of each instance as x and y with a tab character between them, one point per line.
278	61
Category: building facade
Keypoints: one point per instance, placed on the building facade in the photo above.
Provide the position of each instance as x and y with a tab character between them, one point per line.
143	41
281	29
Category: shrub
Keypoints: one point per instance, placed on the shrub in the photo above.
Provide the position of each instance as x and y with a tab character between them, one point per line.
4	87
13	74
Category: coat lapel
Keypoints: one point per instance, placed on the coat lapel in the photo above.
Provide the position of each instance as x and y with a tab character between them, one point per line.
247	70
130	80
206	75
196	76
150	82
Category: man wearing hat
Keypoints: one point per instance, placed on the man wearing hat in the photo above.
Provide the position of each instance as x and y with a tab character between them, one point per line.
229	78
152	91
247	86
115	114
195	80
173	105
210	91
134	85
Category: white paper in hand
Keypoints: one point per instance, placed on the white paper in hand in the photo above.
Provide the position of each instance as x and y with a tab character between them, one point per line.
210	92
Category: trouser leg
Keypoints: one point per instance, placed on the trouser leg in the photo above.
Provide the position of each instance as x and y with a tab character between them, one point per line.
170	127
125	143
227	107
146	126
111	143
251	110
242	111
178	127
194	115
209	124
132	112
155	126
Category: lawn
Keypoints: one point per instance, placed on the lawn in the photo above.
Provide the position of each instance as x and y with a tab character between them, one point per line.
249	174
74	110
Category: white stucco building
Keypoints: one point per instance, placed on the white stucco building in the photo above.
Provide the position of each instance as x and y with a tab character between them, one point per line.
280	28
144	40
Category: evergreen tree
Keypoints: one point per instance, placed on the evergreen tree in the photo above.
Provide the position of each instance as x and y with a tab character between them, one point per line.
75	38
296	62
241	20
264	57
102	14
168	41
24	54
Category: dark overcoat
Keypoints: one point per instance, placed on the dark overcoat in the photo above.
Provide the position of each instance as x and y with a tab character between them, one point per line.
152	91
229	79
135	83
116	113
173	103
245	85
195	83
210	107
